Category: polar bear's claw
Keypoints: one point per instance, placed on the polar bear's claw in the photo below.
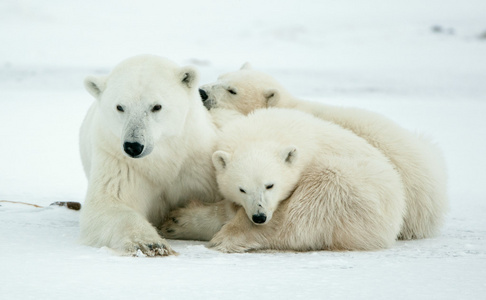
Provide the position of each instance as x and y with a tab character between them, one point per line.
152	250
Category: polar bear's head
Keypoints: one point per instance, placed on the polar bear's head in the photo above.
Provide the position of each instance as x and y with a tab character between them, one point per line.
257	177
145	99
243	90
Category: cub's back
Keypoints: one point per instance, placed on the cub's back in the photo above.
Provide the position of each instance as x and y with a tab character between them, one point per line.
291	127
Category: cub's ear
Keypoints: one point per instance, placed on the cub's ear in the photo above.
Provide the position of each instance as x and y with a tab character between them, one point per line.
272	96
221	160
95	85
289	154
189	76
246	66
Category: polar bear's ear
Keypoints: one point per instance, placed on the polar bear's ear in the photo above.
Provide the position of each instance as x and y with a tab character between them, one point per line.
246	66
189	76
221	160
289	154
272	96
95	85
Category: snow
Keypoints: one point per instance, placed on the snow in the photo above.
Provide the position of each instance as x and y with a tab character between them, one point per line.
421	63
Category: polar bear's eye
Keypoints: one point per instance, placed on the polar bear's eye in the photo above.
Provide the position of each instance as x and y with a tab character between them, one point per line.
243	191
156	108
120	108
231	91
269	186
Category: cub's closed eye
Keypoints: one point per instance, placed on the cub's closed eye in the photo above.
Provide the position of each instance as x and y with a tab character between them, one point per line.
243	191
156	108
120	108
269	186
231	91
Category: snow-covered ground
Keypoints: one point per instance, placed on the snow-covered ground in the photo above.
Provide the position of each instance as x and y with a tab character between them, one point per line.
420	62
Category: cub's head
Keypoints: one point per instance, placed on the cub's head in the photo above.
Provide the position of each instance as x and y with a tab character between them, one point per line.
257	178
145	99
244	91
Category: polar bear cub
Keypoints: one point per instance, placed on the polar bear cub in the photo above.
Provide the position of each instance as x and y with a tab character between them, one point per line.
146	146
419	162
304	184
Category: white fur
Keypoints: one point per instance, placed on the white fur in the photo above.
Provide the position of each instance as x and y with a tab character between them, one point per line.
128	196
320	186
419	162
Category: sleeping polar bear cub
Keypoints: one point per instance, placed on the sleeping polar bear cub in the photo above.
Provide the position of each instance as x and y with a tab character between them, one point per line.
300	183
419	162
146	146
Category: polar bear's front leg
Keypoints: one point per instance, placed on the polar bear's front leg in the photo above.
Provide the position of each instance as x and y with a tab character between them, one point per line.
241	235
197	221
112	215
121	228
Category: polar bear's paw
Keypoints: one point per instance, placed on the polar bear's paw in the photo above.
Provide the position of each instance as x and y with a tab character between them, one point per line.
177	225
140	249
228	247
174	225
196	221
232	243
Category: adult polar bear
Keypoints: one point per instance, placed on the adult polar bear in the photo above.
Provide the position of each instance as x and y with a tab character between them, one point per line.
419	162
146	146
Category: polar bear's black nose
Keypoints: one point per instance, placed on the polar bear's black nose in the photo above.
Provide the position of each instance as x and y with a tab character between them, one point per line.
203	94
133	149
259	218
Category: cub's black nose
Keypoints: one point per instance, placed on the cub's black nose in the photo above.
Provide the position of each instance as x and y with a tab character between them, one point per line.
259	218
133	149
203	94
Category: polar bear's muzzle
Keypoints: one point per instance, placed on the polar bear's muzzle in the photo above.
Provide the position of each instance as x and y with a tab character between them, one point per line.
133	149
257	208
137	141
207	102
204	95
259	218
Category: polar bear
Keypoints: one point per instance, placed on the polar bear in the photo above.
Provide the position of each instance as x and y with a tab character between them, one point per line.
146	146
419	162
304	184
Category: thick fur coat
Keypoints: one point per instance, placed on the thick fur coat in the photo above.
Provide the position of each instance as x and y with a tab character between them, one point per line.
146	146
